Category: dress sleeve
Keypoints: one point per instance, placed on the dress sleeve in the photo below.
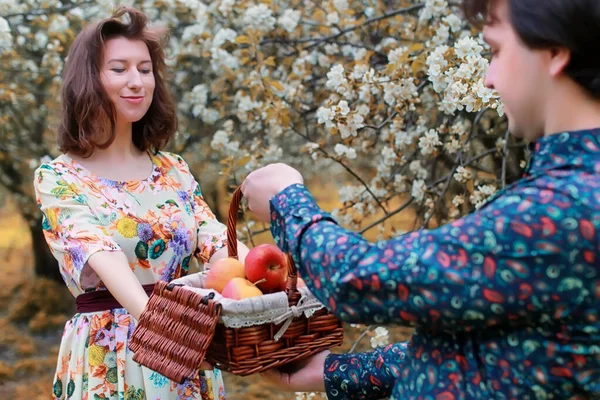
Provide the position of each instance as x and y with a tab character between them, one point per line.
71	229
212	234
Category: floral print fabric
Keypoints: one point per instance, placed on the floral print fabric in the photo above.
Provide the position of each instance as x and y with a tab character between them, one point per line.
505	301
159	223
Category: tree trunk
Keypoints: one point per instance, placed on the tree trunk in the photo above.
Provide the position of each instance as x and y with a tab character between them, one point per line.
45	263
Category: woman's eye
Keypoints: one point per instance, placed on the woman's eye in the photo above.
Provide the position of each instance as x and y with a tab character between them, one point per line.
118	70
145	71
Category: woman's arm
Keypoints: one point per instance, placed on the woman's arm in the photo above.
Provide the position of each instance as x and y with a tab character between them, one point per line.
114	271
78	240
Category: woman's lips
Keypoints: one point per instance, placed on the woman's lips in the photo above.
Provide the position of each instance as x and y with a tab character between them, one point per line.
134	99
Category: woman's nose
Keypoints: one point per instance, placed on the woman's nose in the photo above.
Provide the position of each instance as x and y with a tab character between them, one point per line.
135	80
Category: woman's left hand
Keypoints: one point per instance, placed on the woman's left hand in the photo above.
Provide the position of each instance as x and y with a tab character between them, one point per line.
264	183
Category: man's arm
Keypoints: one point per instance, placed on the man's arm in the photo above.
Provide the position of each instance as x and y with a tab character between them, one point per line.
506	262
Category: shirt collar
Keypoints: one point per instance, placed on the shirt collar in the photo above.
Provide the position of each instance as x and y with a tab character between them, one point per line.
566	149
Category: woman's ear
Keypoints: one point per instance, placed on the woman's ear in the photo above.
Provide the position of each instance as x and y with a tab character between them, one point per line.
560	58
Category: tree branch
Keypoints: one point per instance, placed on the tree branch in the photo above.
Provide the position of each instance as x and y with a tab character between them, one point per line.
48	10
362	335
323	39
387	216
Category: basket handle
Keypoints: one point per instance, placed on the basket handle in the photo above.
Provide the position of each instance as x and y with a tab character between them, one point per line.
232	248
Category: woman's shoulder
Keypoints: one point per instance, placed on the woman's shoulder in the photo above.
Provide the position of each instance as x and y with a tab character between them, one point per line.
167	158
170	163
57	166
59	176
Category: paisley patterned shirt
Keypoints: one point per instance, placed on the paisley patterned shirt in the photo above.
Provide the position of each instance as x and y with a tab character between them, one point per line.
505	301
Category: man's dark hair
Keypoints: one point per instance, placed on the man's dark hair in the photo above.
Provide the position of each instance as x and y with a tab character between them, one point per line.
546	24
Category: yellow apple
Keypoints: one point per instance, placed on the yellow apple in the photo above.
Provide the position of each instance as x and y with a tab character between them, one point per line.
240	288
223	271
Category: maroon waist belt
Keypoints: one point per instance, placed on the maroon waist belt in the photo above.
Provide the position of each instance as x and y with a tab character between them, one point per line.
102	300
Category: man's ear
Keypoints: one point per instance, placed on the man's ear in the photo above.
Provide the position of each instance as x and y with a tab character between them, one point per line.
560	58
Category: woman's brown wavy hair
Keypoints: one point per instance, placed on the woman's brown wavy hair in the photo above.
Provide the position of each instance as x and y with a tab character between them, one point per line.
87	111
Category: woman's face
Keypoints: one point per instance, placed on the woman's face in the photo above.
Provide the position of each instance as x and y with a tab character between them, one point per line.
127	77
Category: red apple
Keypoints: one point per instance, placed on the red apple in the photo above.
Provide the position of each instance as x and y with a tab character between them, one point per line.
269	263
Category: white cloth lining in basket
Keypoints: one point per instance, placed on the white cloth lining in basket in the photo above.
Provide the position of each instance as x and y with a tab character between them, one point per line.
268	308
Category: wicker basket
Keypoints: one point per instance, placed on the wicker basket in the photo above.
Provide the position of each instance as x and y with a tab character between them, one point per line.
179	329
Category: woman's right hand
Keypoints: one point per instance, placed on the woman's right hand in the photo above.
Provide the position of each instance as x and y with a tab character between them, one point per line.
306	376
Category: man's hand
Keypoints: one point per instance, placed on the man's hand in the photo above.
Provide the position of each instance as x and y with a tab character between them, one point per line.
264	183
307	375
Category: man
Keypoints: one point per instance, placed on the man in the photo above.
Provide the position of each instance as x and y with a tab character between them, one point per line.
506	301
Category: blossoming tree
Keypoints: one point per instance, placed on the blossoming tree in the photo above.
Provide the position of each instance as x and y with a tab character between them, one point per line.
389	96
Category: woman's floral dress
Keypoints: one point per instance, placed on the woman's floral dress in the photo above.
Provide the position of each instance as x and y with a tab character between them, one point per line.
160	223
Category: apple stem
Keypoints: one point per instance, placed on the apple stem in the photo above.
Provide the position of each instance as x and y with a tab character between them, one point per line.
260	281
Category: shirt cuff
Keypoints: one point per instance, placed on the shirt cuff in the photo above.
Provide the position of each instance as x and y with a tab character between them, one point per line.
293	210
370	375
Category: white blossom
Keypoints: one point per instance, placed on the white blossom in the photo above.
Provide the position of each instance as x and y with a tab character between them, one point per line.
336	78
458	200
389	156
481	195
333	18
289	20
226	7
381	338
394	55
59	23
417	169
484	93
342	108
418	190
259	17
523	164
359	71
433	9
325	116
305	395
6	38
223	36
345	151
453	146
341	5
428	143
219	140
400	182
463	174
351	126
453	22
442	35
194	31
222	58
467	46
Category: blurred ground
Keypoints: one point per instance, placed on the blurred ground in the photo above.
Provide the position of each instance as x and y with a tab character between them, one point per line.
33	312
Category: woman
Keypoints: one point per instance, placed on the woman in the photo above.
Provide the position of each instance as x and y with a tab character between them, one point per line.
119	213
